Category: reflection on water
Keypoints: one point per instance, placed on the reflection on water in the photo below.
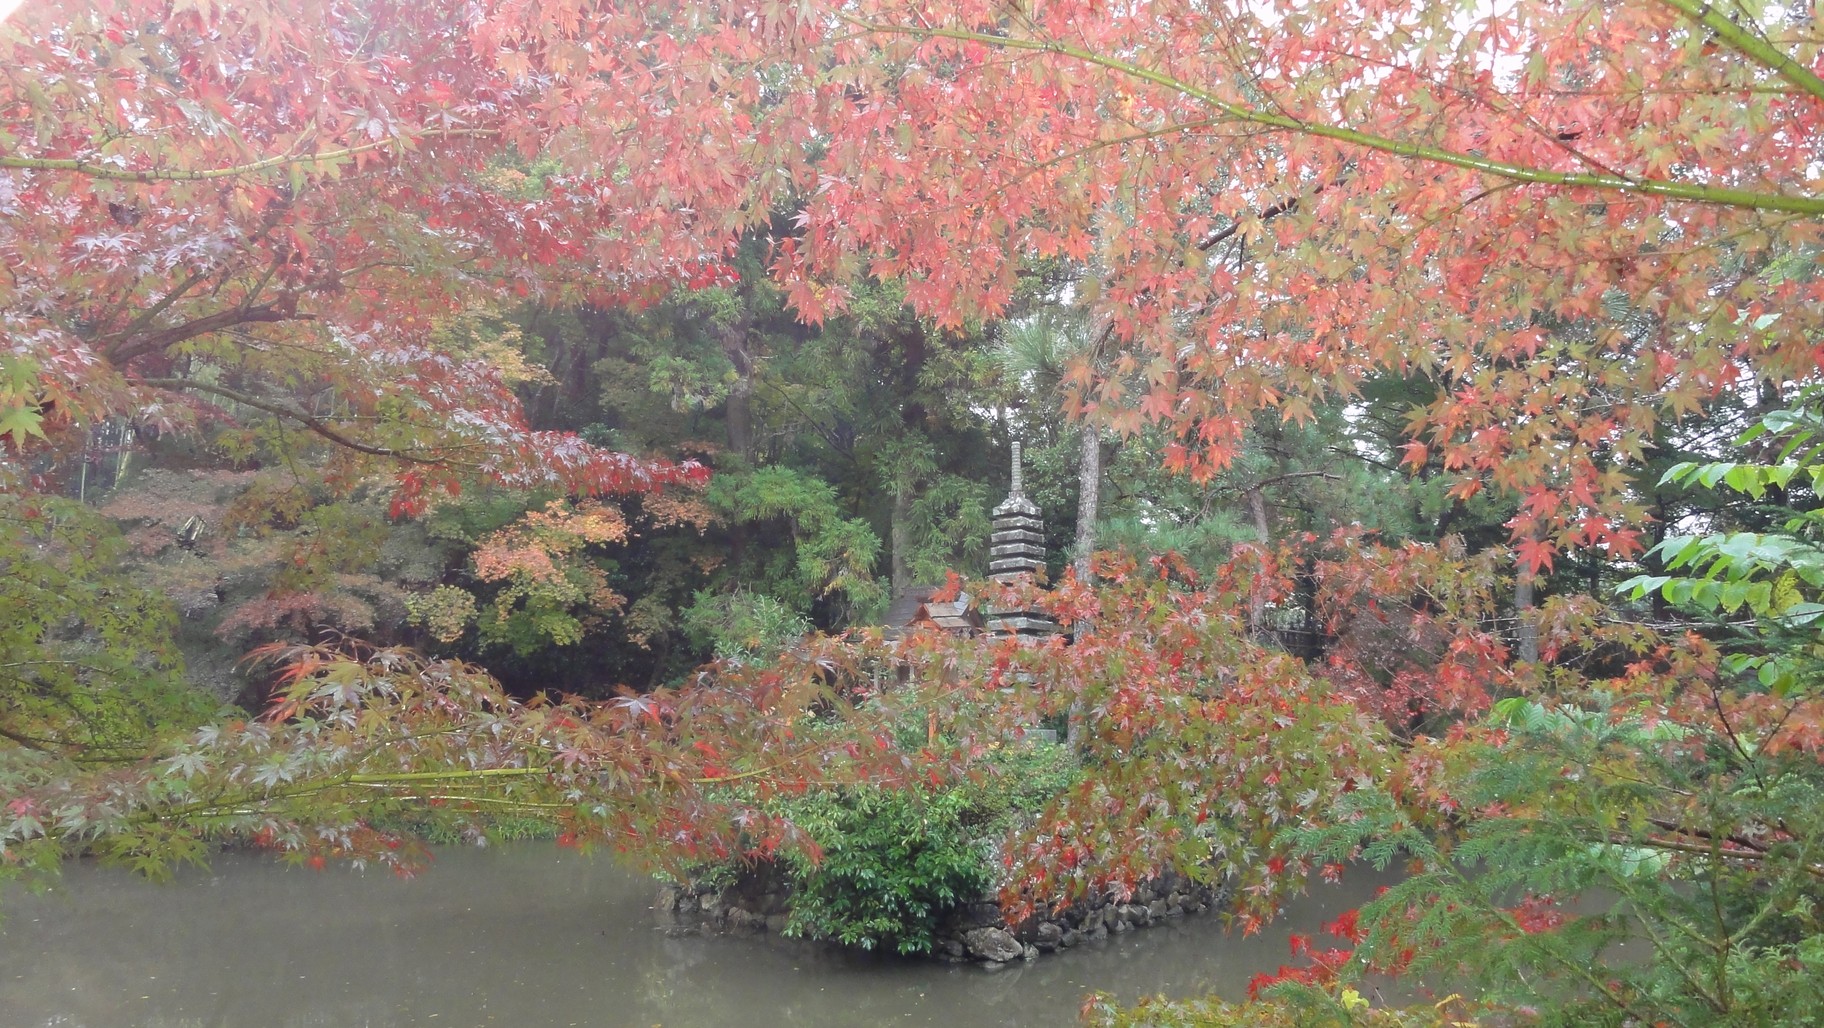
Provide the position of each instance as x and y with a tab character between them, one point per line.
529	935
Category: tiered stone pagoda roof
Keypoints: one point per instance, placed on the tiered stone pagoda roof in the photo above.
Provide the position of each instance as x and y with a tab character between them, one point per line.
1016	552
1018	544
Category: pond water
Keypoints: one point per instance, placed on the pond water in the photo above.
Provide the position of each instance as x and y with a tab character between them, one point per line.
532	935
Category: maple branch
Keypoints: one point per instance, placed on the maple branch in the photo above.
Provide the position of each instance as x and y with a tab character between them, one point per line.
472	798
95	169
31	742
1064	158
247	800
151	313
1750	45
274	214
78	752
1735	741
309	421
1286	206
1725	196
735	776
1669	825
399	777
1481	195
284	309
1710	850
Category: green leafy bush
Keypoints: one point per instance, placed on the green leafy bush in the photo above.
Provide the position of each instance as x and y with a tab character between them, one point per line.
87	665
745	627
890	863
1676	809
1020	780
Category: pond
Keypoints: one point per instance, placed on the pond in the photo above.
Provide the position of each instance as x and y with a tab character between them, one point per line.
532	935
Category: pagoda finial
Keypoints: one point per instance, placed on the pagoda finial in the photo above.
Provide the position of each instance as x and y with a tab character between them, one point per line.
1016	501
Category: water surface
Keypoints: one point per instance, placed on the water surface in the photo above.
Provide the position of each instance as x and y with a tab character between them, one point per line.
531	935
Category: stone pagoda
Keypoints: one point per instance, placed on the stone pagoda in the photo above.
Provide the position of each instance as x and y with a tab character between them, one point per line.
1016	552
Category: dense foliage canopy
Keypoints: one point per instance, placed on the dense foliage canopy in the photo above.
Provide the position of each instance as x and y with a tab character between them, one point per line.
1442	380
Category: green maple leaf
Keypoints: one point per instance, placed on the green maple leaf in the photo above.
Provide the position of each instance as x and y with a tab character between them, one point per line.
20	422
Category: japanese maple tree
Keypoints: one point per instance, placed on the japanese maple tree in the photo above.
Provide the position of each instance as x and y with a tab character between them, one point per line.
277	211
1571	230
1578	221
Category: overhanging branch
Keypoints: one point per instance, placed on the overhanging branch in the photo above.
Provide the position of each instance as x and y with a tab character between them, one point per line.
97	169
1750	45
307	420
1724	196
284	309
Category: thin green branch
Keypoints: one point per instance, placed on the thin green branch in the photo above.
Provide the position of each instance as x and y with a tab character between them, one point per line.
1749	45
1666	953
436	776
1691	191
1586	973
96	169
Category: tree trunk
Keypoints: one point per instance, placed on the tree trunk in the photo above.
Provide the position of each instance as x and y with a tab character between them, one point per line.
1257	508
902	538
1089	498
1263	529
738	410
550	398
1526	630
1655	564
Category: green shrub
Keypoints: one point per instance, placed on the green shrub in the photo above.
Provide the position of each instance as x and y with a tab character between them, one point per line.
1021	780
744	627
891	863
